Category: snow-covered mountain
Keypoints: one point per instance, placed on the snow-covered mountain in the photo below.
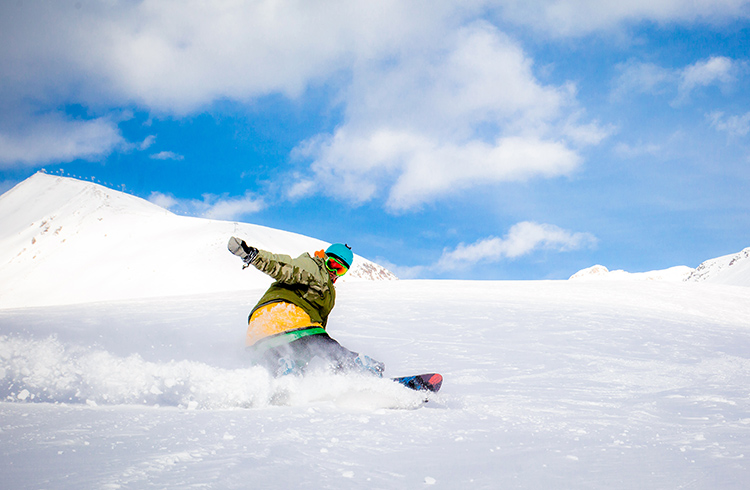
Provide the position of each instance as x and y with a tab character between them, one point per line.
599	272
733	269
66	241
730	270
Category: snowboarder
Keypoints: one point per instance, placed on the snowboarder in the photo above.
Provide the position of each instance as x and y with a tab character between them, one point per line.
286	330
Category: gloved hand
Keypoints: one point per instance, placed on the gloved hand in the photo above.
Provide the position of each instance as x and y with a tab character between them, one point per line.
243	250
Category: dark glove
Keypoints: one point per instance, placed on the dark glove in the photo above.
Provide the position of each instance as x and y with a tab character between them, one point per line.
243	250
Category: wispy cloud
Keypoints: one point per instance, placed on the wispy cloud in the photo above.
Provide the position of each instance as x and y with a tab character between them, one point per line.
522	238
642	78
166	155
677	83
402	272
147	142
717	70
54	137
211	206
626	150
733	125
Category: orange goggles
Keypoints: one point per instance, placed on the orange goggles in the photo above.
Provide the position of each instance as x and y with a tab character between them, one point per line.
334	265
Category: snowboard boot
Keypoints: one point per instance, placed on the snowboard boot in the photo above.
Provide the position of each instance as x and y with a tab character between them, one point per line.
287	367
368	365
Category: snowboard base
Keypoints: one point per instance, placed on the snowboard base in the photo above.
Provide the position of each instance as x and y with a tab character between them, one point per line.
422	382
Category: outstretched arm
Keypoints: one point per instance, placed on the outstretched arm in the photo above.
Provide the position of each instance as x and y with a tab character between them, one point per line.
303	270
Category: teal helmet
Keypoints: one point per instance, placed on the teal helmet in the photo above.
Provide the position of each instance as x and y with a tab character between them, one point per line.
342	252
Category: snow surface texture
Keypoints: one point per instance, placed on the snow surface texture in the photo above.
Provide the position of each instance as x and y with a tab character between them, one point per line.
548	384
66	241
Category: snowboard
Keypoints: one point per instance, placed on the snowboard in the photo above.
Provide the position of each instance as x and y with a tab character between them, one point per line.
422	382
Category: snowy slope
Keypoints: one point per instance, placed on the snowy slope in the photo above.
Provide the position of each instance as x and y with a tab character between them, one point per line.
548	384
67	241
599	272
731	269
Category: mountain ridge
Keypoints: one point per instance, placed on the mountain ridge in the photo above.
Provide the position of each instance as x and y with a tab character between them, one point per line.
729	270
64	241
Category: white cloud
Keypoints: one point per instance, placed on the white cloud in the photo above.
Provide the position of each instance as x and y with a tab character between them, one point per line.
400	271
233	208
584	134
471	76
426	168
469	113
176	56
733	125
625	150
212	207
648	78
147	142
53	137
300	188
706	72
166	155
717	70
164	200
642	78
581	17
522	238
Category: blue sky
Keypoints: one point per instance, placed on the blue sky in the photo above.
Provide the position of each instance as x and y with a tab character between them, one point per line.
477	139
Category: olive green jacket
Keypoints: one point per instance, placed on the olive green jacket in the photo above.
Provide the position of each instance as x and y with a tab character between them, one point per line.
303	281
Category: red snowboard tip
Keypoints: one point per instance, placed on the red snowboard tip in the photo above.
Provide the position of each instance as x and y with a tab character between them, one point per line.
436	381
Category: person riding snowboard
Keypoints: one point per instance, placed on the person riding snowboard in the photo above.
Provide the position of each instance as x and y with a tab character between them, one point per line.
287	328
